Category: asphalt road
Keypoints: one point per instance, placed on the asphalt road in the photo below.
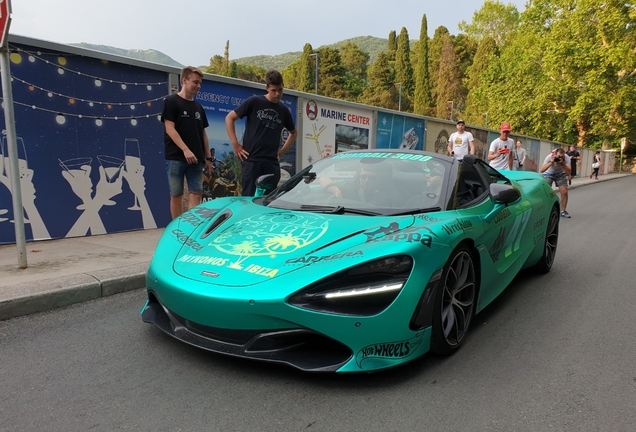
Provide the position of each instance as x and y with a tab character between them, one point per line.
553	353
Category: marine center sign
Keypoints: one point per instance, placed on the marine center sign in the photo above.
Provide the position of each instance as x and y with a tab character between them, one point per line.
5	20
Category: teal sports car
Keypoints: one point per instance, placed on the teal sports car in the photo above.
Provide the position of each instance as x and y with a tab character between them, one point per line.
362	261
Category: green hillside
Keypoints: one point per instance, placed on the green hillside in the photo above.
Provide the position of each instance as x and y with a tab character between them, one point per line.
370	44
145	55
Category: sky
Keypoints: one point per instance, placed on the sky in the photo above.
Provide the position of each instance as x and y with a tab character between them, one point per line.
192	32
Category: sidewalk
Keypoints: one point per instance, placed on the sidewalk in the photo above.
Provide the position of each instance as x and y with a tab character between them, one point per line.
67	271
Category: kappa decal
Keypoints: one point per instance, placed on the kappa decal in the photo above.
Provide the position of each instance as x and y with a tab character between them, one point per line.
389	350
408	235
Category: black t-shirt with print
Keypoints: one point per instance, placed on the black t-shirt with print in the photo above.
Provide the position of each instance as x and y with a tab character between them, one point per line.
263	127
190	122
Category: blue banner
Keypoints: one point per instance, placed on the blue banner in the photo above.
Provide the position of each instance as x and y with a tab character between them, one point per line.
395	131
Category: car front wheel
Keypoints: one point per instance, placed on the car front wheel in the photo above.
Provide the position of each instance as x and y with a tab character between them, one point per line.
454	302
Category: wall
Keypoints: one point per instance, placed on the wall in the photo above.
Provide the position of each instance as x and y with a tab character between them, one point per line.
90	138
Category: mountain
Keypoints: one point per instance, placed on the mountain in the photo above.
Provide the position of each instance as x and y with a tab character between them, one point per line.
370	44
146	55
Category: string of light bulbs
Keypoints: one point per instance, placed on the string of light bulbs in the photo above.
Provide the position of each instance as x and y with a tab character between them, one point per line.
61	116
99	80
90	102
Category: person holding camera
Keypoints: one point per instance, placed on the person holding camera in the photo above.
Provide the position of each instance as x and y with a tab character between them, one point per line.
556	168
499	153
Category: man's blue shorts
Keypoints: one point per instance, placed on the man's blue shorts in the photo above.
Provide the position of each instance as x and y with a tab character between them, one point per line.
193	173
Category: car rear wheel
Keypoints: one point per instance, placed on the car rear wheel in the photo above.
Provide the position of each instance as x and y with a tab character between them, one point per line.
454	302
549	248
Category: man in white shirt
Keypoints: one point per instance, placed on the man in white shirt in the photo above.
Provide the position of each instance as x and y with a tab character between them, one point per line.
499	154
460	142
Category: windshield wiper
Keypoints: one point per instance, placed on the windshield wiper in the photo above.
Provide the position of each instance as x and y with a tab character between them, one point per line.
337	210
416	210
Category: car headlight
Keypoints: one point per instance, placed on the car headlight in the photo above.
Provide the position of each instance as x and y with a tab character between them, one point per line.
363	290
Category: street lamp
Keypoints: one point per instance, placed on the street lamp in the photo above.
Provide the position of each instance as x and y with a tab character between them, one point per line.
486	115
316	79
452	106
400	96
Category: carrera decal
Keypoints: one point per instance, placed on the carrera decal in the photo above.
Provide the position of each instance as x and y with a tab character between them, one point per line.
314	259
503	215
184	239
389	350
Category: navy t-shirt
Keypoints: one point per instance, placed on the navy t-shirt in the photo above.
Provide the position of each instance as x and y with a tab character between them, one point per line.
190	122
263	128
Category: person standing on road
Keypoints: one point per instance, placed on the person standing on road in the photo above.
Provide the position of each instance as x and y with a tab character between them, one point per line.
575	156
596	165
499	154
267	117
187	148
556	168
461	142
519	156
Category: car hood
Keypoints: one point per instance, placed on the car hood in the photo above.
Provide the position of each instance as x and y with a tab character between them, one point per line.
246	243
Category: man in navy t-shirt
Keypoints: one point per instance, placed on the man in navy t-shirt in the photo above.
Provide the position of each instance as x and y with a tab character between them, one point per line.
267	118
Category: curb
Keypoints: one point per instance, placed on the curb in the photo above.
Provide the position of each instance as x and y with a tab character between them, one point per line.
63	291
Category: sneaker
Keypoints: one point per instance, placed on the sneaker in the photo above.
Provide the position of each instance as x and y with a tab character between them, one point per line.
591	176
565	214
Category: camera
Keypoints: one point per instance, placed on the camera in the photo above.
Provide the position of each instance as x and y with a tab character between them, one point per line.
557	159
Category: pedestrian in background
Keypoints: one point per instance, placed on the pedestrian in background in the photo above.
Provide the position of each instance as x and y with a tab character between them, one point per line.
499	154
186	144
596	165
575	156
520	156
556	169
260	151
460	143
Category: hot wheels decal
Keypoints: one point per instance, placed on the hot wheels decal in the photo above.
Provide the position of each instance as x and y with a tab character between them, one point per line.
389	350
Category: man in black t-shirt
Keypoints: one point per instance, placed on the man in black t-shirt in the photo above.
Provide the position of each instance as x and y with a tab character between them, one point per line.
575	156
187	149
267	117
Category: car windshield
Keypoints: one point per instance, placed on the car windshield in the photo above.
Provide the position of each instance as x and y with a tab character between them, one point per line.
367	183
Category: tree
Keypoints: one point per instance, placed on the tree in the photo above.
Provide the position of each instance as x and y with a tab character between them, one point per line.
494	20
219	65
403	67
355	61
381	89
476	105
392	45
306	70
422	101
331	74
448	85
434	54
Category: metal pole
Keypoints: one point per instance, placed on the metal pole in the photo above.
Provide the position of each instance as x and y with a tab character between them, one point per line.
16	192
316	79
452	106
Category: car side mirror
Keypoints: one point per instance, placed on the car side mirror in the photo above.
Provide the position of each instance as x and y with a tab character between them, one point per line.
504	193
264	184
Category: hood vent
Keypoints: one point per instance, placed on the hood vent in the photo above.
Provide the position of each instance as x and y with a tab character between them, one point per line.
217	222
